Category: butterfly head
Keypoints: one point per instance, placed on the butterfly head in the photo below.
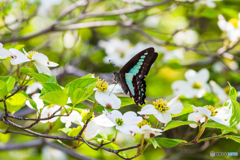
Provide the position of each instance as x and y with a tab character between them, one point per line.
115	76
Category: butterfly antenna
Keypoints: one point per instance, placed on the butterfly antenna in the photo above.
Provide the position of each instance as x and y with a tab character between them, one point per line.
112	89
112	64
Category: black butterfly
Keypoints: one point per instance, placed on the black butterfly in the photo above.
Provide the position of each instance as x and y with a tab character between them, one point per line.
131	76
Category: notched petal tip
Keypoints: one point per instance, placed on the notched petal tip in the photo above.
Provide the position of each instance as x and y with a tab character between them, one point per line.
108	105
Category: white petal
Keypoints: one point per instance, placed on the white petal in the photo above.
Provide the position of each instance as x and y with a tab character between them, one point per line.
33	88
148	109
107	99
175	106
114	88
182	88
220	120
43	68
159	116
4	53
204	111
196	117
40	58
18	57
223	113
92	130
68	124
102	120
202	76
167	117
130	117
52	64
219	91
128	128
144	129
190	76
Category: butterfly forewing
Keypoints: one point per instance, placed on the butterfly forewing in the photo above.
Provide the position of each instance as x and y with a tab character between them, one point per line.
131	76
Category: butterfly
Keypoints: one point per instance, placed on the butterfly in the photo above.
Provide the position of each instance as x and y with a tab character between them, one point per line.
131	76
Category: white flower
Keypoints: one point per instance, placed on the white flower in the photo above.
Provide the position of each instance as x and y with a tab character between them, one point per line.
116	51
46	5
201	113
150	132
195	86
105	94
219	92
74	117
126	123
96	124
49	153
188	37
48	111
232	27
17	57
174	54
163	110
41	62
37	100
31	89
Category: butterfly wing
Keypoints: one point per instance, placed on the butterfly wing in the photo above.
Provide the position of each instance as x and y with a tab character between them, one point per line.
133	73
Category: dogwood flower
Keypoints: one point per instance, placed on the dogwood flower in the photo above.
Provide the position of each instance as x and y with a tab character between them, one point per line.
41	62
105	94
74	117
95	125
195	86
17	57
232	27
186	37
174	54
201	113
37	100
145	128
221	94
46	111
116	51
126	123
31	89
163	110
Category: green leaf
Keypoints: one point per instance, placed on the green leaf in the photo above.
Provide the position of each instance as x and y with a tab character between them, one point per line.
88	76
26	70
33	104
3	88
233	137
234	106
153	142
99	109
112	146
125	101
75	131
81	106
53	79
50	87
15	102
187	108
83	83
65	130
219	126
10	82
174	124
40	77
87	116
56	97
101	136
168	143
80	95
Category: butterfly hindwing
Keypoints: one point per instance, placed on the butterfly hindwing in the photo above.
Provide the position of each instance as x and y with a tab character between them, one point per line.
132	74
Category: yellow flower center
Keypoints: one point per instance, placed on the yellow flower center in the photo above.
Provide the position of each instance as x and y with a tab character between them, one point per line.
197	85
101	85
161	105
50	105
30	54
214	113
119	121
143	123
234	22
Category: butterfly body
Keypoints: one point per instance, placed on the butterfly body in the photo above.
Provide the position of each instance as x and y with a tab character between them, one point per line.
131	76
